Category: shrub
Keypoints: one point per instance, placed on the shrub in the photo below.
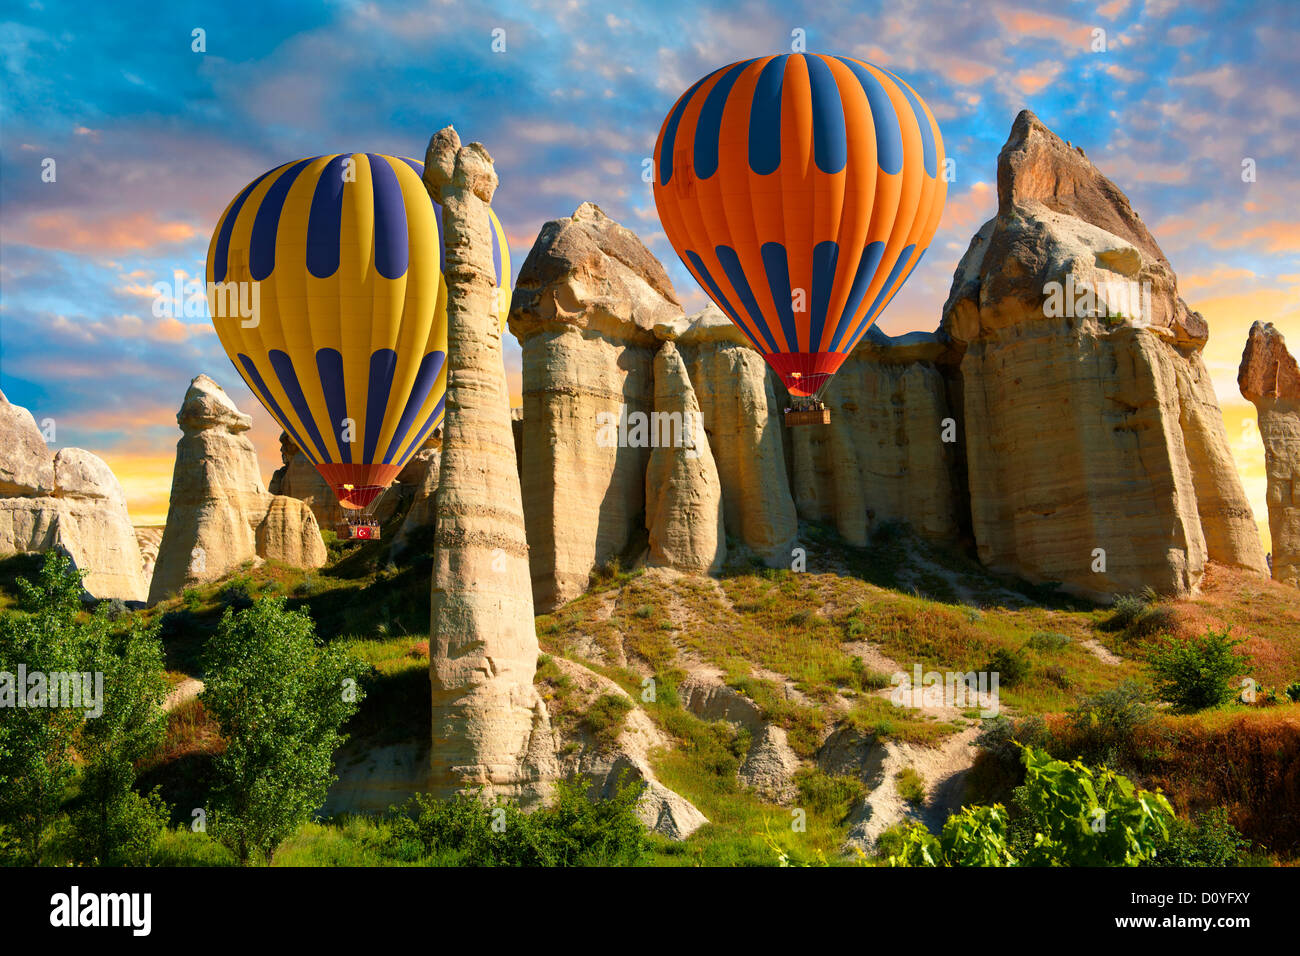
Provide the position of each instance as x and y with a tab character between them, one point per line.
910	785
1104	723
1011	666
280	699
572	831
1293	692
1141	615
1055	674
831	796
974	836
1207	840
1049	641
1197	673
605	717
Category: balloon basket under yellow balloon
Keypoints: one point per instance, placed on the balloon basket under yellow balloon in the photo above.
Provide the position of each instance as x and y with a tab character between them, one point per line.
811	416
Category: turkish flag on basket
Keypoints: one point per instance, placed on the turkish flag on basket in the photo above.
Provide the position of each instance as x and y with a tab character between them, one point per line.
362	531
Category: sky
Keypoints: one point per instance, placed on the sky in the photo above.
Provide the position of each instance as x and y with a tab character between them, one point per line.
151	139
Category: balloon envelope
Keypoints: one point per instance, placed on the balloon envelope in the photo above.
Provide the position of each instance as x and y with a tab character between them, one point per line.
342	259
800	191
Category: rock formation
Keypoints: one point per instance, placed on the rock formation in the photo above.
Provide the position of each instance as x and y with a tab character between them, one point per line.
220	514
1270	379
742	401
70	501
584	309
683	497
1095	452
490	727
890	452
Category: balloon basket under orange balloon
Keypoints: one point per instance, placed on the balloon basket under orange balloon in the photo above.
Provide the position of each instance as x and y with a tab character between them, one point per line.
361	531
811	416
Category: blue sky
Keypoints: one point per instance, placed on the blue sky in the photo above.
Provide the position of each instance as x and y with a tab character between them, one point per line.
152	139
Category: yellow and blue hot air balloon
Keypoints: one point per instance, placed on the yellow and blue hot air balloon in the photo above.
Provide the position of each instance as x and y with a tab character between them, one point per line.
347	347
800	191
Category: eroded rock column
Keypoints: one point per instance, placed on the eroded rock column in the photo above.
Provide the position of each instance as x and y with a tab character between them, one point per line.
490	728
1270	378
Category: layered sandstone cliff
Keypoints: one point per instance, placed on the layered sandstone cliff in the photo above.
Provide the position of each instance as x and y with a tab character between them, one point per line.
69	501
490	727
220	514
1094	448
1270	378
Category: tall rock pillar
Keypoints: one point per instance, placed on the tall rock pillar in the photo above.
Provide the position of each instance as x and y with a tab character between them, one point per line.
1269	377
490	727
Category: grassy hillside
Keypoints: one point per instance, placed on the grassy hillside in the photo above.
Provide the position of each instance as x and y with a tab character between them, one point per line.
814	651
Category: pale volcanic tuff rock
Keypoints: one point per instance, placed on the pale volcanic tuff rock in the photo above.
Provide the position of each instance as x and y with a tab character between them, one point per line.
1087	431
742	402
683	496
1270	378
69	501
490	728
220	514
884	456
584	309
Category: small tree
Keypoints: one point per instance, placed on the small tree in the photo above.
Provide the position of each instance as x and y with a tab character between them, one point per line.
114	825
36	742
280	699
1198	673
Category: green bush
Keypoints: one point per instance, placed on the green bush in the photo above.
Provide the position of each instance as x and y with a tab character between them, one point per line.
1141	615
1198	673
1207	840
605	717
572	831
1049	641
279	698
831	796
1293	692
910	785
1011	666
1104	723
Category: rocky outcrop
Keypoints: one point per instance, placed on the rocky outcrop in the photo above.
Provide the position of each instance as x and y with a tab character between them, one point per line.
490	727
148	538
890	452
1095	452
742	401
770	765
69	501
683	497
220	514
585	305
1270	379
424	468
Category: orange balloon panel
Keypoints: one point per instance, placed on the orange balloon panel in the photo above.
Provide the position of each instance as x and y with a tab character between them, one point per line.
800	191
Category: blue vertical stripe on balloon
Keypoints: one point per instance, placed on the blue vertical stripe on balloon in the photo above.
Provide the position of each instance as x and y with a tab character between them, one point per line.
777	266
383	362
830	141
288	376
882	297
416	165
325	220
825	256
670	131
709	125
889	135
220	257
391	248
425	376
866	271
329	363
736	276
424	432
254	378
261	246
722	301
928	150
765	118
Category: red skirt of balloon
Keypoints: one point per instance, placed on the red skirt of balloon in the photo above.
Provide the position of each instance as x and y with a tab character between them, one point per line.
358	485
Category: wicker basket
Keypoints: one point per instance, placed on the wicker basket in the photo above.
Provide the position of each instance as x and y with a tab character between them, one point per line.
815	416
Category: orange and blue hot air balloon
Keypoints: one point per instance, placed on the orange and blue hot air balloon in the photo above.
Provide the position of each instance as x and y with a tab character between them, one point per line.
347	349
800	191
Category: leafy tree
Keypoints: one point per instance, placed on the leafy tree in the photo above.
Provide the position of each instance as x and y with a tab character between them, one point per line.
1104	722
114	825
280	699
1071	815
1208	840
36	743
1198	673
